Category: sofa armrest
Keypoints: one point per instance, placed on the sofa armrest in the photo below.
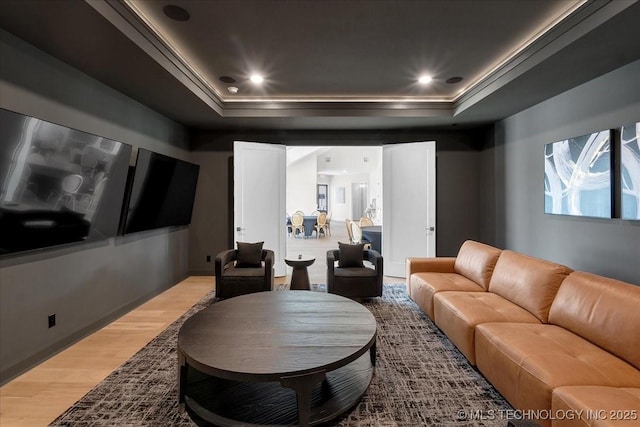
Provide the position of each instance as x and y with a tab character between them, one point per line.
434	265
423	265
332	256
374	258
268	256
224	258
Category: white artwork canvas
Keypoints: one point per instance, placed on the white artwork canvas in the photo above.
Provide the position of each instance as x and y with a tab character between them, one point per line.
577	176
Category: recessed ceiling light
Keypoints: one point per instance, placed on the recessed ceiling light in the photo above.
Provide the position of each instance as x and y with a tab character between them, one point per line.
423	80
454	80
256	78
176	12
227	79
232	89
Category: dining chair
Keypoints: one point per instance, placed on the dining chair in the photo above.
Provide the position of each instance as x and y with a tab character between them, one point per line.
321	224
349	232
297	223
94	198
89	159
26	185
365	221
70	186
328	225
356	233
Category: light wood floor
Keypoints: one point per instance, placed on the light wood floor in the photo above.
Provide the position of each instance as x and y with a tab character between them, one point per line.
318	248
38	396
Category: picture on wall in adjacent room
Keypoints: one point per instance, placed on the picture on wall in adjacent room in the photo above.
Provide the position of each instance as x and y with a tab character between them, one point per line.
630	170
577	176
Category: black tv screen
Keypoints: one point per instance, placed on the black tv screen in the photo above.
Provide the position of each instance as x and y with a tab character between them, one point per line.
162	192
57	185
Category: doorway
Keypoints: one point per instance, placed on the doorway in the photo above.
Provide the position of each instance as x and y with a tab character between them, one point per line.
407	213
359	198
343	181
322	179
323	191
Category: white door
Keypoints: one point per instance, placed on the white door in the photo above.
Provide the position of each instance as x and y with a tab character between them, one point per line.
259	181
409	204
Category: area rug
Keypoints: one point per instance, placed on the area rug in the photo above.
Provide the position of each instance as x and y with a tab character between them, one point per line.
421	379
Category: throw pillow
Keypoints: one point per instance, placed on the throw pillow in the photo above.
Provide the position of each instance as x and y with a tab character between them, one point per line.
249	254
350	255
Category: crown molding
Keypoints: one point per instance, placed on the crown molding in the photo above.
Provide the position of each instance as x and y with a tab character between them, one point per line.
338	109
575	25
131	25
576	22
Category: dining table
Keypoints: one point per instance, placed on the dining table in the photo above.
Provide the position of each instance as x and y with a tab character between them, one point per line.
309	222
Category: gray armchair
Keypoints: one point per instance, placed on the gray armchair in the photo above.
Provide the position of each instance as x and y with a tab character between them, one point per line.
355	281
233	280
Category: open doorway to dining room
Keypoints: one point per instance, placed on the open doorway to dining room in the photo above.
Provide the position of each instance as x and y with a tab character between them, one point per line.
408	221
343	182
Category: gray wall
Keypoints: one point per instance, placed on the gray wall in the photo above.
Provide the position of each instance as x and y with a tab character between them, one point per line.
458	182
88	285
493	195
512	176
211	222
85	285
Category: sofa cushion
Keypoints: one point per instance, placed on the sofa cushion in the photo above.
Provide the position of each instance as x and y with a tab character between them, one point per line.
458	313
476	262
525	362
602	310
350	255
423	286
595	406
530	282
249	255
423	264
354	272
243	272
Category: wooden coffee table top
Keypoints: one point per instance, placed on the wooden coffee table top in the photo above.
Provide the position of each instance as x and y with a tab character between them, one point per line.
267	335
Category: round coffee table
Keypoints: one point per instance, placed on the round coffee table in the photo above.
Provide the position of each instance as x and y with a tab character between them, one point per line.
275	358
300	274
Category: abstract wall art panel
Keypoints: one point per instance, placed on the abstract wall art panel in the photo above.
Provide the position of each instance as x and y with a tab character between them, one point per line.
577	176
630	170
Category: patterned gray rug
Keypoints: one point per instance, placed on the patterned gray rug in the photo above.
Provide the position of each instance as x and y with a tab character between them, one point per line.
421	379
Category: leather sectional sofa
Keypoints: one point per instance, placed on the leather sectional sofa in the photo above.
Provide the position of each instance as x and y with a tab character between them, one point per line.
560	344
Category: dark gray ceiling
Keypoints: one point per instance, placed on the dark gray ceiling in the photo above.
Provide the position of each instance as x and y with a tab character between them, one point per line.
331	64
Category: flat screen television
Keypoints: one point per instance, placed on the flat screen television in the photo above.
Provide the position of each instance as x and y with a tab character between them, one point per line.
162	192
57	185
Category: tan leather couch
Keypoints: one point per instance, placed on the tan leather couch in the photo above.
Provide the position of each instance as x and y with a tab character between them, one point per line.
595	406
470	271
558	343
521	290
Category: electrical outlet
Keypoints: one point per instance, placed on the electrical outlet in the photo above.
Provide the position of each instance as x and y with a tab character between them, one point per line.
208	258
52	320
